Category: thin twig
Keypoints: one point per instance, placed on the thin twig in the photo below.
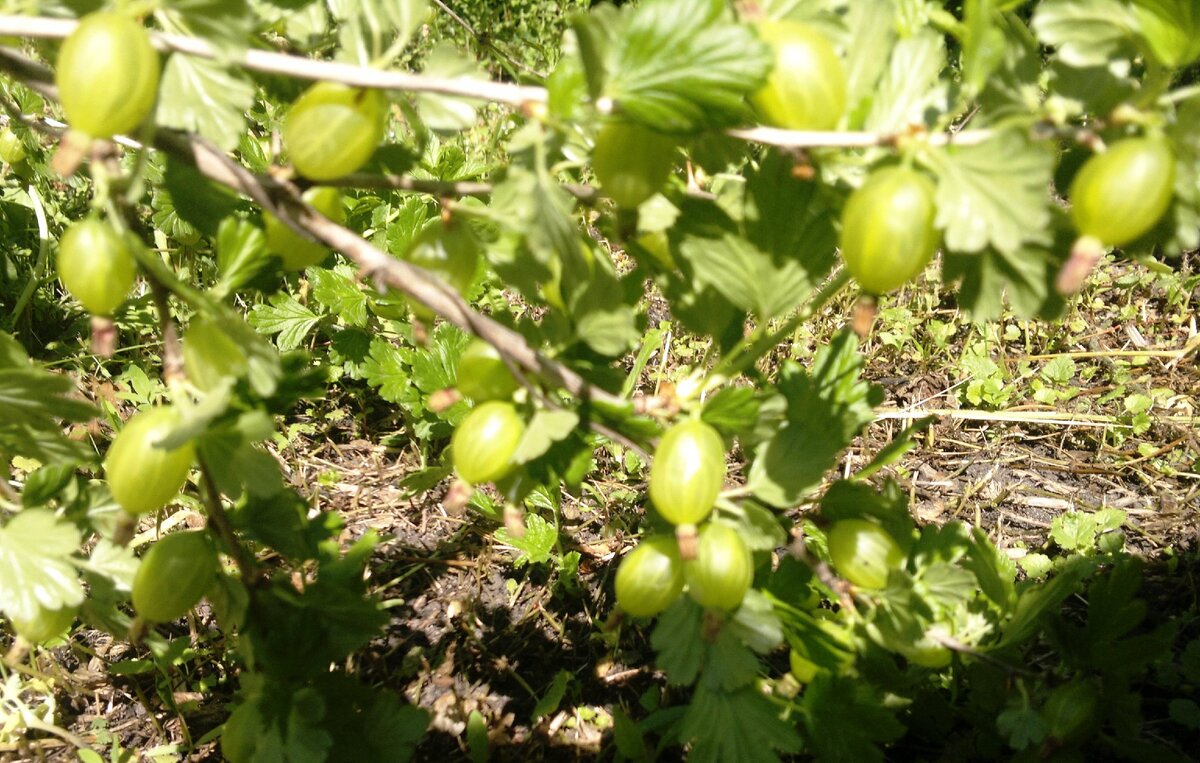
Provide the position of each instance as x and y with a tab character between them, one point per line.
499	92
300	67
385	271
246	564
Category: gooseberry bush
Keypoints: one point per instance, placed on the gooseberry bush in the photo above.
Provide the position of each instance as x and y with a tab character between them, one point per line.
746	162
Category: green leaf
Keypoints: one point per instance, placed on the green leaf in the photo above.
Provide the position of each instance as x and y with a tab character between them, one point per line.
994	571
337	290
543	430
117	563
1026	277
205	97
440	112
684	65
741	725
907	88
603	319
36	564
676	639
45	482
241	254
1185	712
387	368
1021	726
755	625
366	27
196	199
844	721
984	44
826	408
901	444
1038	600
536	546
993	193
756	263
1085	32
37	398
227	24
1170	28
552	697
870	24
286	317
732	410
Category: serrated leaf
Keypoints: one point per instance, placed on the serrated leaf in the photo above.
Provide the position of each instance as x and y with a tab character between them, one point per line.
603	320
993	193
37	398
1170	28
682	65
535	546
742	725
676	639
205	97
340	294
542	431
36	567
871	26
756	625
117	563
387	368
1021	726
729	664
826	408
732	410
366	27
1085	32
441	112
907	88
844	721
286	317
241	254
226	24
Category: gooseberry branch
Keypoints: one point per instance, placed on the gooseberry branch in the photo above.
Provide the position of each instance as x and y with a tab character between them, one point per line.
498	92
384	270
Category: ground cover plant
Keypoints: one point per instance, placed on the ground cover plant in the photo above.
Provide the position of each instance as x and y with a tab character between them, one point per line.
808	379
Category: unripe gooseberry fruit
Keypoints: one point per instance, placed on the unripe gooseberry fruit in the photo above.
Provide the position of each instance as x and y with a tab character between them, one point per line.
483	445
720	575
631	162
174	575
95	263
333	129
1119	195
141	476
483	375
107	75
12	150
650	577
299	252
46	625
688	472
863	552
887	235
806	88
